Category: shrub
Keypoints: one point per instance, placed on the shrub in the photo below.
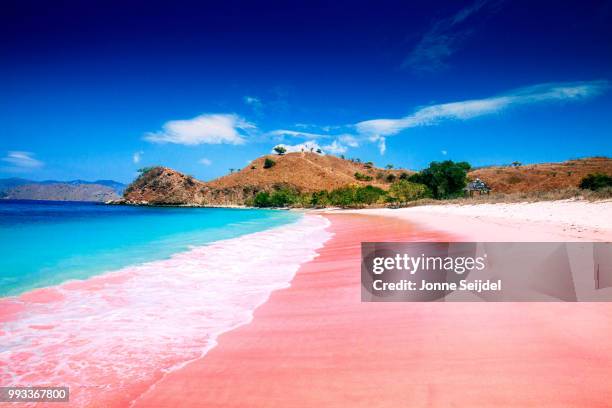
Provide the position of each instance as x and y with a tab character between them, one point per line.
390	178
596	182
403	191
319	199
354	196
368	195
262	199
283	197
404	176
362	177
444	179
280	150
269	163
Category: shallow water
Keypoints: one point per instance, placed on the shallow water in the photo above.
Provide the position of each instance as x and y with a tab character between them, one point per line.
45	243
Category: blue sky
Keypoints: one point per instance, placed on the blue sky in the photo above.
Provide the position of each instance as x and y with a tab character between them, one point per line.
99	89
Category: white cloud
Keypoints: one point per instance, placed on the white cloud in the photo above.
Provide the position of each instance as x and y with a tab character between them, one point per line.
335	148
444	152
296	133
251	100
20	160
464	110
308	146
349	140
205	161
137	156
203	129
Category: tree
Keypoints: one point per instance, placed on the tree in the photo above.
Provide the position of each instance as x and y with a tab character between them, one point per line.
403	191
444	179
389	166
516	164
319	151
144	170
280	150
596	181
268	163
231	170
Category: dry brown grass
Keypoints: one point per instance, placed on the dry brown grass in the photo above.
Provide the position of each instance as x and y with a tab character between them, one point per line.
307	172
522	197
541	177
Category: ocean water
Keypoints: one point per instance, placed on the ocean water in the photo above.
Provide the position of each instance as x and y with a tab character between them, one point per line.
123	296
45	243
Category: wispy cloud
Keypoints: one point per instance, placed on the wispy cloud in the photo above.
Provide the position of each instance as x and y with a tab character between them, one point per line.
298	134
137	156
335	147
204	129
445	36
21	161
205	161
255	103
469	109
349	140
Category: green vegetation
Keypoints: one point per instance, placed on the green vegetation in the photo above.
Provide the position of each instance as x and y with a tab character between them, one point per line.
444	179
281	197
596	182
269	163
351	196
280	150
404	191
144	170
362	177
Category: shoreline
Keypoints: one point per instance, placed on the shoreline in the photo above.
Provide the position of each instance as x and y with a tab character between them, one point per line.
198	295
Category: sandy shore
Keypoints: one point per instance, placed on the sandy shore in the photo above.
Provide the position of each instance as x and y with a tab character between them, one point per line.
567	220
316	344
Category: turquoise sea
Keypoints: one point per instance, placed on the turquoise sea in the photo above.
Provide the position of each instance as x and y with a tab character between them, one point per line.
45	243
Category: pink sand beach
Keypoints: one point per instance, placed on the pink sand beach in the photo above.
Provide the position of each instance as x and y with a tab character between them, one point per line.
316	344
303	337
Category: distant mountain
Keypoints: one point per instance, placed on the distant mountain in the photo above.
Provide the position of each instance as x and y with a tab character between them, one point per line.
74	190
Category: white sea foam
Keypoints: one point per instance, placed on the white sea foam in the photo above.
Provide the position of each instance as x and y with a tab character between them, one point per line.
122	330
